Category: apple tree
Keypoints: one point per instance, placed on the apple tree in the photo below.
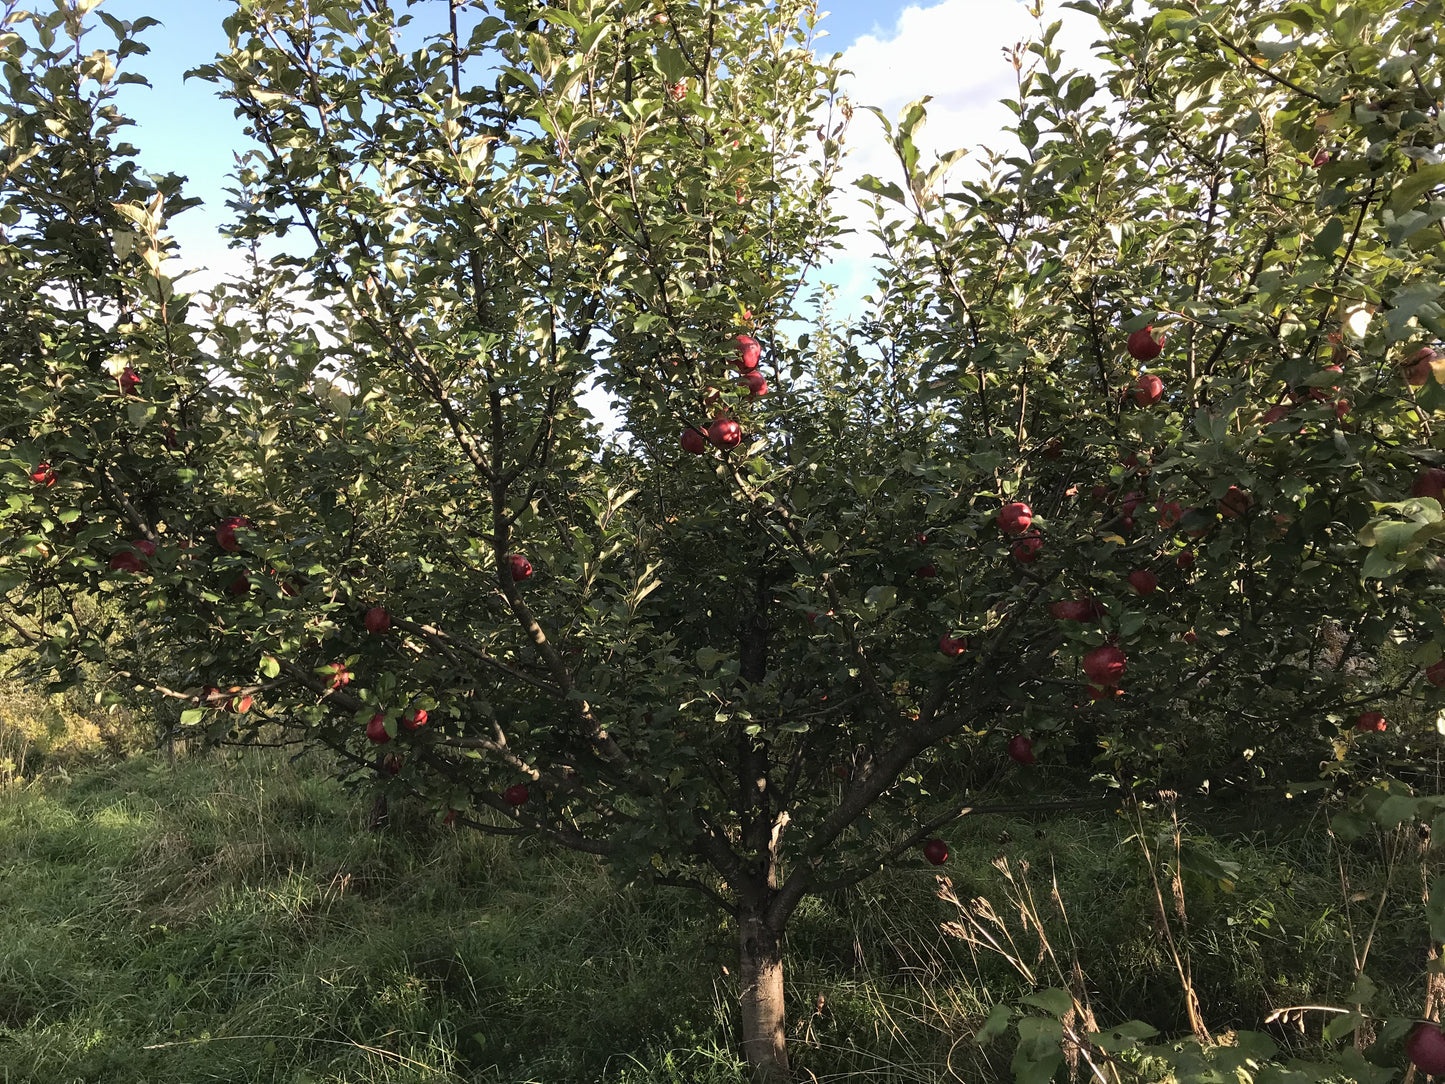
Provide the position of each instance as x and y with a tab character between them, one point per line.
1126	478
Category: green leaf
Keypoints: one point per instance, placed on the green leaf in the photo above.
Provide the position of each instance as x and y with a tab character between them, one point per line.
1435	909
192	716
996	1024
1329	238
1056	1002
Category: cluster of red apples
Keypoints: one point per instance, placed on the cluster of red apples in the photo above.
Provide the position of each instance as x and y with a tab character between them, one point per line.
724	432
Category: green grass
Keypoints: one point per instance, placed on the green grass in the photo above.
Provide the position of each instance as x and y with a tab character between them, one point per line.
229	919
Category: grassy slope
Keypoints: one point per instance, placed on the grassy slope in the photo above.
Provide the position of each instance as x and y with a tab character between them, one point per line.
218	921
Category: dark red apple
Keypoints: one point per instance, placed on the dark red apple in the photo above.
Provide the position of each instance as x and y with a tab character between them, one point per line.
1368	721
1435	675
127	561
1417	368
226	532
725	433
1170	513
1429	483
1425	1047
1078	609
376	730
1320	159
755	384
936	851
129	380
952	646
1021	749
43	475
1054	449
1143	345
749	353
520	567
1190	637
240	585
1015	518
414	720
927	572
1185	558
921	539
1148	390
692	440
1235	503
377	620
1026	549
1104	665
517	794
1276	413
1143	581
238	703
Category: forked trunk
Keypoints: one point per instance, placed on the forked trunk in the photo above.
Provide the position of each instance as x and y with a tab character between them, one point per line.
760	965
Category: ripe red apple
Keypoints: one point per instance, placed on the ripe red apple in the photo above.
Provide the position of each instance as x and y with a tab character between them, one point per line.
1417	368
1429	483
952	646
129	380
1425	1047
1170	513
755	384
1370	721
517	794
936	851
1130	504
240	585
127	561
921	539
1100	495
43	475
1148	390
725	433
927	572
693	441
1026	549
1185	558
226	532
1143	581
678	90
1104	665
1143	345
1235	503
376	730
1435	675
1320	159
749	353
340	675
1075	609
520	567
414	720
1190	637
377	620
1015	518
1021	749
238	703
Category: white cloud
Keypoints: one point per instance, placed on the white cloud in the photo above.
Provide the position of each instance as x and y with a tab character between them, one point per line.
953	51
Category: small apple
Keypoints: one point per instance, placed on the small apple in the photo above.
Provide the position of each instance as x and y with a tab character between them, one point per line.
952	646
692	440
238	703
414	720
1185	558
127	561
1143	345
1235	503
1320	159
520	568
1078	609
1026	549
339	674
749	353
936	851
1015	518
129	380
1105	665
517	794
678	90
1429	483
1054	449
1368	721
240	585
755	384
43	475
921	539
1425	1047
927	572
1435	675
725	433
1143	581
1021	749
226	532
1342	407
376	730
377	620
1148	390
1170	513
1100	495
1417	368
1190	637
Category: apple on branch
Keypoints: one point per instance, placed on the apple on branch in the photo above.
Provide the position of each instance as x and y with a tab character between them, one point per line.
43	475
749	353
516	795
1143	345
519	567
414	720
1021	749
952	646
377	620
376	730
693	441
1425	1047
936	851
1015	518
725	433
1148	390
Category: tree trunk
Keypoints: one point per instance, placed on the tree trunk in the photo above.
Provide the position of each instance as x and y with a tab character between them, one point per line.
760	968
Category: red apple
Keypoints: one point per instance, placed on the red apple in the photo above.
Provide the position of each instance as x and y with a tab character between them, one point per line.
1370	721
129	380
936	851
226	532
1144	346
1435	675
1425	1047
1342	407
1276	413
520	567
1190	637
755	384
1026	549
1143	581
414	720
517	794
1417	368
725	433
376	730
1104	665
127	561
749	353
1185	558
340	675
238	703
377	620
1075	609
1235	503
693	441
952	646
240	585
921	539
1148	389
1101	495
927	572
1021	749
1429	483
1320	159
1015	518
43	475
1054	449
1170	513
